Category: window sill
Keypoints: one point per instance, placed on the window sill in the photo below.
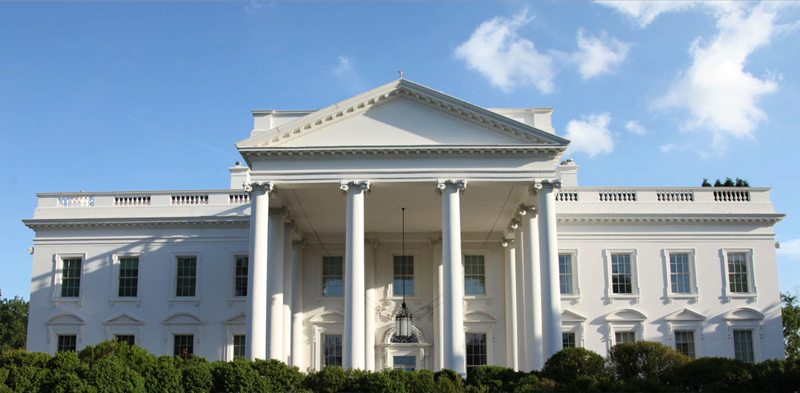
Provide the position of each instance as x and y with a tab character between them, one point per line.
68	300
576	298
634	297
237	299
323	299
485	298
747	296
683	296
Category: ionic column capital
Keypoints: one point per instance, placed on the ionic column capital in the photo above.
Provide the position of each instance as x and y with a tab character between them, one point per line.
289	224
373	243
459	184
298	243
435	241
507	242
513	225
538	185
258	185
362	185
523	210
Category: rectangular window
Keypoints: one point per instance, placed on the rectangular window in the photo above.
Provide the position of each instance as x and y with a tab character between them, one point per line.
71	277
130	339
568	340
680	273
67	342
403	275
621	274
407	363
474	275
238	346
624	337
743	346
565	274
240	276
332	276
186	277
128	277
738	276
183	345
476	350
684	343
332	350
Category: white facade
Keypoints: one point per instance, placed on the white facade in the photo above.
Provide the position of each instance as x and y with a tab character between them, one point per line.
505	252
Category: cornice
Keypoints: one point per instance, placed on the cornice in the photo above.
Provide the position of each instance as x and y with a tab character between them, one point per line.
238	221
770	219
371	152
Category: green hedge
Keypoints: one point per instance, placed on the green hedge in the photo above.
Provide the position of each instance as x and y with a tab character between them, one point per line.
112	367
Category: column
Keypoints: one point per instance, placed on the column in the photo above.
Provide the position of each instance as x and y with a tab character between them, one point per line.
353	342
297	304
370	305
275	285
288	288
551	285
512	344
519	260
452	276
256	330
533	289
438	313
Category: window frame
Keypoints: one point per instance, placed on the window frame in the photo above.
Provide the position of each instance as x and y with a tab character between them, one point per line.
197	278
576	287
58	276
414	254
687	320
323	346
487	276
322	276
694	341
233	258
194	342
751	276
694	294
116	266
487	353
64	323
236	325
58	342
753	343
635	294
625	320
572	322
745	319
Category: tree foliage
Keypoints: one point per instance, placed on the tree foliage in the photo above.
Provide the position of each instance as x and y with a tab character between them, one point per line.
13	323
791	325
727	183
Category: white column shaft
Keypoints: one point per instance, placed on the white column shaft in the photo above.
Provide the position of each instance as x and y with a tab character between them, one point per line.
297	305
438	315
370	309
353	351
288	288
256	328
453	291
512	346
533	291
275	286
551	286
520	289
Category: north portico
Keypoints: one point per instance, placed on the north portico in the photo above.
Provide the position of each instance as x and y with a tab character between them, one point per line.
341	174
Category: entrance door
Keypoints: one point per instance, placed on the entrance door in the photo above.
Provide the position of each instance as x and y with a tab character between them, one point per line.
407	363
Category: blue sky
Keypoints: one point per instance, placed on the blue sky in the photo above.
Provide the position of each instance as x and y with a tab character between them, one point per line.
102	96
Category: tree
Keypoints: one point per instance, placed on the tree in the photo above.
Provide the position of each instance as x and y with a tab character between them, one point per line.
706	183
13	323
791	325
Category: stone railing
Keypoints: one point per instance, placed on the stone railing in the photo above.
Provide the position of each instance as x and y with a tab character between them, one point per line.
633	195
143	199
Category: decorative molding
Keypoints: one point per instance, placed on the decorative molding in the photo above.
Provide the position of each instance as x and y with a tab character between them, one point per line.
523	210
37	224
365	152
299	243
769	219
435	241
459	184
279	211
539	185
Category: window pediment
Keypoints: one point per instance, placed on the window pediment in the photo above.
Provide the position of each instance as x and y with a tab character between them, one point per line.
66	319
183	318
685	315
626	315
744	314
123	319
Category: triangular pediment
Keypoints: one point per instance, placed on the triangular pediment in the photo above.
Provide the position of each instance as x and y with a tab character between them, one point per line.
401	113
123	319
685	315
238	319
569	316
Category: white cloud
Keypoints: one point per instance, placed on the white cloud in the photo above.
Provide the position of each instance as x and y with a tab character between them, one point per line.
644	12
506	59
634	127
598	56
790	248
253	7
718	93
667	148
590	135
345	65
347	75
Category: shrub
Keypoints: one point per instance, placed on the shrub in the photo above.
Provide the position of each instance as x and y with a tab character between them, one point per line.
448	381
712	375
111	375
644	360
196	374
493	378
330	379
278	376
162	375
567	365
421	381
237	376
528	383
25	371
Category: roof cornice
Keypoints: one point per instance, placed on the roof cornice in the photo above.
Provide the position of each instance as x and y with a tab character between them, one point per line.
237	221
350	152
437	100
770	219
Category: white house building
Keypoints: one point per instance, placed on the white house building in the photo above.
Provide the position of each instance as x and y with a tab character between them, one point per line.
502	258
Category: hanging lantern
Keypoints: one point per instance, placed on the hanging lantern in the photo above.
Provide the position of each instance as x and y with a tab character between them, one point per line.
403	323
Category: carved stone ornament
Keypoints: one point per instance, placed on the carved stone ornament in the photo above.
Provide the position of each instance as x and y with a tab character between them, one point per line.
523	210
513	225
460	184
362	185
256	185
278	211
540	184
298	244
